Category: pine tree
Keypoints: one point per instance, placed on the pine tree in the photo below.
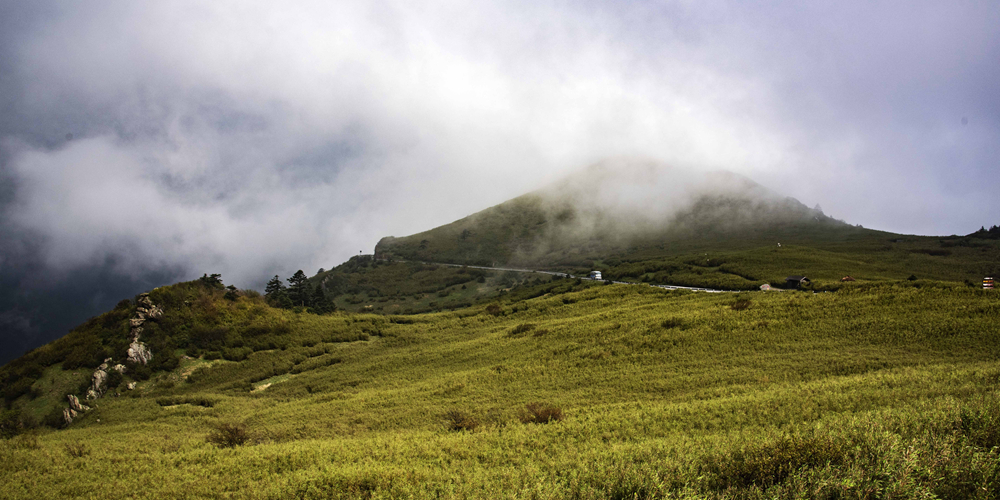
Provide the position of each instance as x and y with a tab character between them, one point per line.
318	301
297	289
274	286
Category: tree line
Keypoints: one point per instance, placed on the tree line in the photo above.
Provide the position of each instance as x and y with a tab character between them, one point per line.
298	293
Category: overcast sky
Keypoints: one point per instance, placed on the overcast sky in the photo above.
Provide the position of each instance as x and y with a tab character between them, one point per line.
143	143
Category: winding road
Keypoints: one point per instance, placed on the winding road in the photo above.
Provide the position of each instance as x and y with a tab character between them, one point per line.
567	275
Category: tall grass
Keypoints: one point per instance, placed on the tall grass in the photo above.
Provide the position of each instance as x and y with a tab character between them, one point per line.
873	391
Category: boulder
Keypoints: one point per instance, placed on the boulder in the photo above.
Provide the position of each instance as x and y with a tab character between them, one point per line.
68	415
120	368
91	394
139	353
155	312
100	376
130	386
134	322
143	300
74	403
136	331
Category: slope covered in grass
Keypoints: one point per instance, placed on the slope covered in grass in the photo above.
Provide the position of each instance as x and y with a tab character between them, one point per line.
871	391
640	222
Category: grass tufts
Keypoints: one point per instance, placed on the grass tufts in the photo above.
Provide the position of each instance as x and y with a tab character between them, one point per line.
740	304
540	413
77	450
228	435
459	420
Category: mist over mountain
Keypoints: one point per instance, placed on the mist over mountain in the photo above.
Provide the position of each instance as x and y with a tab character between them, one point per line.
611	206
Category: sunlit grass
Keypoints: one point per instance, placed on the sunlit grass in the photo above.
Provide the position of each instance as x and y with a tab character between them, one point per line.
874	390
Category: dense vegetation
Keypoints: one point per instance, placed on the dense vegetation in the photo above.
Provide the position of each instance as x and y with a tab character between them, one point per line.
563	389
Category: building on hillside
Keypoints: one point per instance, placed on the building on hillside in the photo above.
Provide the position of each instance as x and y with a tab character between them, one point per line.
797	282
595	275
987	283
765	287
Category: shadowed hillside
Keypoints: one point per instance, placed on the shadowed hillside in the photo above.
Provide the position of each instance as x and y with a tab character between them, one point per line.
616	208
641	221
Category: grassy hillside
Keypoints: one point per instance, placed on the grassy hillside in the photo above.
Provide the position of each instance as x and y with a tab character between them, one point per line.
562	390
365	284
727	232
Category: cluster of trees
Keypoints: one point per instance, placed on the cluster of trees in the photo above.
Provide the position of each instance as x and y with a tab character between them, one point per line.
993	233
298	293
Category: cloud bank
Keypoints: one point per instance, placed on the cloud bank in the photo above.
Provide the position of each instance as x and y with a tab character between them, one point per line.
249	138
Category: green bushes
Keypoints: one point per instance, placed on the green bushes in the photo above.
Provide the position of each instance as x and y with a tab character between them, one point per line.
540	413
767	464
228	435
670	323
740	304
980	426
185	400
458	420
520	329
76	450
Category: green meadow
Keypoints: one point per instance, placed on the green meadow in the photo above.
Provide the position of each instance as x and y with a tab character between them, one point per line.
566	389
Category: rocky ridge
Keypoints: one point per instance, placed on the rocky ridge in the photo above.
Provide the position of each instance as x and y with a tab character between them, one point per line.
137	353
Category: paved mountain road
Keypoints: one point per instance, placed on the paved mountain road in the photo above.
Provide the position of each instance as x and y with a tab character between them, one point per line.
567	275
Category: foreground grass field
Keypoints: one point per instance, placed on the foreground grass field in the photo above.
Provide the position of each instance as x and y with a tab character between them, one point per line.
873	391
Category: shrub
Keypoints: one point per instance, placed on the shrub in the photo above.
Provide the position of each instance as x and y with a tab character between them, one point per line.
522	328
771	463
228	435
673	323
980	426
540	413
77	450
460	421
740	304
54	418
10	424
494	309
114	379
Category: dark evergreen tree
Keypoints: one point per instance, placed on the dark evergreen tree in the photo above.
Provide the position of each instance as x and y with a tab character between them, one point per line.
276	294
213	281
297	289
319	302
274	286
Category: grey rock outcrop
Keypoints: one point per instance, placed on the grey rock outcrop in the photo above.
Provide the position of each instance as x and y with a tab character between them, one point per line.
74	403
139	353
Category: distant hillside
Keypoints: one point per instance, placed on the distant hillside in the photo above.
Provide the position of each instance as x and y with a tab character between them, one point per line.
614	209
641	221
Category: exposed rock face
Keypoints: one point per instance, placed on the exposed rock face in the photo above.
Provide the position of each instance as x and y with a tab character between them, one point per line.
74	403
139	353
155	312
137	350
100	376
